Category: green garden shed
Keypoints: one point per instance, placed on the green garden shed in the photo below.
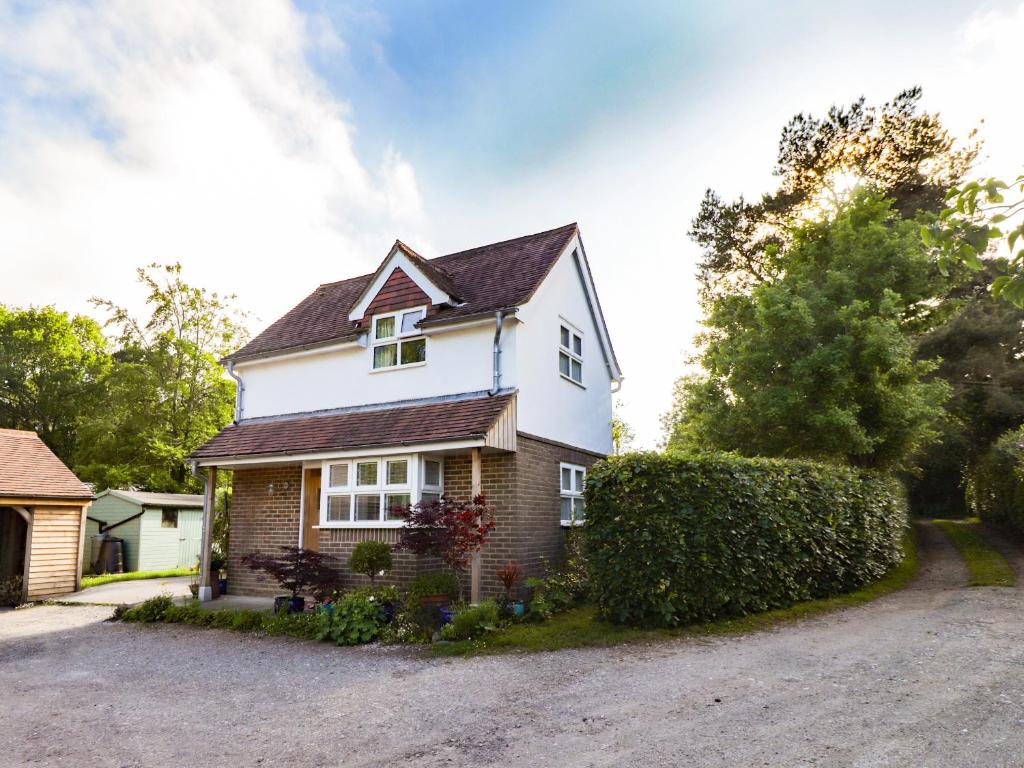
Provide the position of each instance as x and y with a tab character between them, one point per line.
160	531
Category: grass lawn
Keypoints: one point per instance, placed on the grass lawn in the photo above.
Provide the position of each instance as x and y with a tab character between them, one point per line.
107	578
581	627
987	567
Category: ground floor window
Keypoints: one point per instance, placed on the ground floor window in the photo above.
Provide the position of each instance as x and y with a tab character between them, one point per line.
572	478
369	490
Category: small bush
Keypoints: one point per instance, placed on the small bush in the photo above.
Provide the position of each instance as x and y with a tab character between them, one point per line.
153	610
354	618
995	489
438	583
675	539
371	558
472	622
10	591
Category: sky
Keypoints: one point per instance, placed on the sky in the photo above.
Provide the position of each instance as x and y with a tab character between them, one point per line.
270	146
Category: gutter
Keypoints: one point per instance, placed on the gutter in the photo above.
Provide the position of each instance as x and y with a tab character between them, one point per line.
239	390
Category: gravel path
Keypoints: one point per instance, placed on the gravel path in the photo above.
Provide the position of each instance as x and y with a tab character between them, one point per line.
930	676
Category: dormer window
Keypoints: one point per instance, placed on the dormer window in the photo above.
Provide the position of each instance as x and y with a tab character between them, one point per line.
570	354
397	341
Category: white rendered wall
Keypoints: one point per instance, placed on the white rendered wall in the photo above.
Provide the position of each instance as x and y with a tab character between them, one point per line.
549	405
457	361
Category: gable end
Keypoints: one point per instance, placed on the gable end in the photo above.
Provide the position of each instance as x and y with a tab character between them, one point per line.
399	292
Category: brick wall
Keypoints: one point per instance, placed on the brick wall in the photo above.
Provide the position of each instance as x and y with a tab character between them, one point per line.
261	521
523	486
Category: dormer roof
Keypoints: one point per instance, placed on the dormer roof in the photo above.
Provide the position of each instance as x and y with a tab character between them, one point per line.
469	283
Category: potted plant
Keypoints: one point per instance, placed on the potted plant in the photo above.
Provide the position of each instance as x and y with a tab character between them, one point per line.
193	585
297	570
509	575
217	561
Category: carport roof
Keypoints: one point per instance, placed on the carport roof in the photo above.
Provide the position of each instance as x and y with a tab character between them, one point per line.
30	470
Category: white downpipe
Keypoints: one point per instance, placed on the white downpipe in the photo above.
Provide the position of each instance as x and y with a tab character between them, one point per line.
239	389
499	324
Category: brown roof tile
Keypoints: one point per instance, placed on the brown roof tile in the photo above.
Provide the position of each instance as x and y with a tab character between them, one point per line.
431	422
28	469
491	277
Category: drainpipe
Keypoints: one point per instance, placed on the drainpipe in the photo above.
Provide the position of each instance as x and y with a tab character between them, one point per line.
499	318
239	389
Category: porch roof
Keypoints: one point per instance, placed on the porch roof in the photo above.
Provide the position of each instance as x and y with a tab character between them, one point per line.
432	422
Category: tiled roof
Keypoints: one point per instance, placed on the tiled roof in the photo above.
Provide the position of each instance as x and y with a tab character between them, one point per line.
150	499
28	469
425	423
485	279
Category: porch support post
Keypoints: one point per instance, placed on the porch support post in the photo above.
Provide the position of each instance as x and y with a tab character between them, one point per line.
476	488
205	554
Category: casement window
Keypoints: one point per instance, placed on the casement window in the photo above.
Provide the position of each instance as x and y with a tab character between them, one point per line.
168	518
365	491
572	478
570	354
397	341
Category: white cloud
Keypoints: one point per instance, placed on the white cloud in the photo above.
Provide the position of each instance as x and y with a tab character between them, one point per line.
138	132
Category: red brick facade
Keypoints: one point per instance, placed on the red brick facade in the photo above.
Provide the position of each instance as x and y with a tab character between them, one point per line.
523	486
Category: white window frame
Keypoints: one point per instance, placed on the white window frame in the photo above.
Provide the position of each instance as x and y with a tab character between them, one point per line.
570	351
413	487
397	339
574	493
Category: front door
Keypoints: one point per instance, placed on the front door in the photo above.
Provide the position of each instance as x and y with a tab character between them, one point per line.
311	510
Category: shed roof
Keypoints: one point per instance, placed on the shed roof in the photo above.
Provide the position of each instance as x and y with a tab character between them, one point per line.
488	278
28	469
150	499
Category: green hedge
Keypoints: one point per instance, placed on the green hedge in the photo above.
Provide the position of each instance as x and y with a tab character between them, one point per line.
675	539
995	487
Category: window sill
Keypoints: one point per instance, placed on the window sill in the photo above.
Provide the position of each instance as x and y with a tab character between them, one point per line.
572	523
398	367
367	524
571	380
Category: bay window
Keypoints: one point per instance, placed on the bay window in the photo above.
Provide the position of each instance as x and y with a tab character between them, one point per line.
397	341
365	491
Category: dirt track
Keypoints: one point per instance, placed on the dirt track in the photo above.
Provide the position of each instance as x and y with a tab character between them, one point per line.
930	676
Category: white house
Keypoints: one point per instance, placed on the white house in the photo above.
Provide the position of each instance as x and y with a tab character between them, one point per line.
489	369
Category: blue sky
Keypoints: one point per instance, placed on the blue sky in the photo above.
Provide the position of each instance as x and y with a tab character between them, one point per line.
270	146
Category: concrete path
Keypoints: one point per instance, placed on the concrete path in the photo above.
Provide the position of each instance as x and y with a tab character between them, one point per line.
929	677
131	592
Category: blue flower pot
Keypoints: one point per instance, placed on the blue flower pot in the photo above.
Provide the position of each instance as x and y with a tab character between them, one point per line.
518	609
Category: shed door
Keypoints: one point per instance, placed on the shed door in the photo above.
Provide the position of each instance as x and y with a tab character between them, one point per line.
190	535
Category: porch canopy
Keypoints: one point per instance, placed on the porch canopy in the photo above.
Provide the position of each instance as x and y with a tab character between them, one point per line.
467	423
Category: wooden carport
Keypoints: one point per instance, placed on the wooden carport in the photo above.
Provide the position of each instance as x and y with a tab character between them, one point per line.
42	517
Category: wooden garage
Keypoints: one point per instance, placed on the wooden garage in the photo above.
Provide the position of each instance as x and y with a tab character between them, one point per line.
42	517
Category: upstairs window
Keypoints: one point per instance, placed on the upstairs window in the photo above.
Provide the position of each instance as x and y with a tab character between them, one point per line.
572	479
570	354
397	341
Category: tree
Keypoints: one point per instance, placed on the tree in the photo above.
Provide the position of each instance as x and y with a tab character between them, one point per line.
52	368
167	393
447	529
974	222
297	570
622	433
819	362
905	154
370	558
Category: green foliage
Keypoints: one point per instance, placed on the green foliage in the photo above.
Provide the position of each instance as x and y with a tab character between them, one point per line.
371	558
675	539
995	489
162	609
472	622
436	583
355	618
565	587
152	610
108	578
52	368
819	363
978	216
167	394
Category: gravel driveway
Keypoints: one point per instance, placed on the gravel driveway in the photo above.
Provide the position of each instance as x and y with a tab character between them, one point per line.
930	676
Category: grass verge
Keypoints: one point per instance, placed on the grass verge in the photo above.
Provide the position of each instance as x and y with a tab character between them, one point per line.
109	578
581	627
987	567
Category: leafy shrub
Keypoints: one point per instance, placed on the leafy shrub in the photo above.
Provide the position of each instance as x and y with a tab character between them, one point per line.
371	558
296	569
152	610
472	622
448	529
437	583
674	539
10	591
355	617
163	609
995	489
